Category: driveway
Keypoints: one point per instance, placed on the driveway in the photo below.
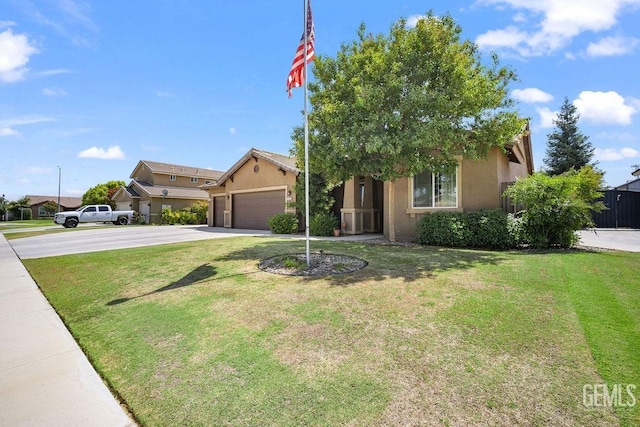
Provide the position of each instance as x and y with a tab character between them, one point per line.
620	239
101	239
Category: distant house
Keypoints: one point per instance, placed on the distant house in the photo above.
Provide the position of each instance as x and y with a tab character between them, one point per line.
37	204
157	185
261	183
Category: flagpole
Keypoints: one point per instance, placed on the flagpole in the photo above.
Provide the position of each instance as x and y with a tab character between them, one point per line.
306	138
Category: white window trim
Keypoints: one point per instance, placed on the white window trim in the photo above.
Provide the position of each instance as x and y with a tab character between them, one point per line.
172	178
193	180
415	209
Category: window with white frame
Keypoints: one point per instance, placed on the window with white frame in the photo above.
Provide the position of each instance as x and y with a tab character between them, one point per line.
172	177
194	179
435	190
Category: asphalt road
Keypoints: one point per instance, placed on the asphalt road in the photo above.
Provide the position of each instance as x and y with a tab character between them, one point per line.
118	237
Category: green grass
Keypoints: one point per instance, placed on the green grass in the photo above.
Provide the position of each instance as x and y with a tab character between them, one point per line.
8	225
195	334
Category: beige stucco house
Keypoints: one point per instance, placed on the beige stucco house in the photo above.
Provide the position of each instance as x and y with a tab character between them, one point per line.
257	186
157	185
261	183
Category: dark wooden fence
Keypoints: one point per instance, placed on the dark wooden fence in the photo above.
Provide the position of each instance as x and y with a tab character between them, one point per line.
623	212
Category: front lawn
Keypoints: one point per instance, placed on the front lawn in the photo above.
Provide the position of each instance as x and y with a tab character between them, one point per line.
195	334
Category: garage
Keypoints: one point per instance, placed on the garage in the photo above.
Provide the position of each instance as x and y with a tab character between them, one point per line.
251	210
218	211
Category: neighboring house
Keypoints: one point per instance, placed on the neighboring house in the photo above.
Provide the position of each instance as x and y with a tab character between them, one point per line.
258	186
261	183
37	205
156	186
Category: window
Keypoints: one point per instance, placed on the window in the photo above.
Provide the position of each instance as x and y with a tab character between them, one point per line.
194	180
42	211
435	190
103	208
208	181
166	207
90	209
172	177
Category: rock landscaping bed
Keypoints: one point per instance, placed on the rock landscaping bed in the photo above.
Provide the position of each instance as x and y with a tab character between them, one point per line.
321	264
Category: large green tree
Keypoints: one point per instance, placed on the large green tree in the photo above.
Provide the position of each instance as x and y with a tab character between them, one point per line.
567	147
21	208
102	194
416	98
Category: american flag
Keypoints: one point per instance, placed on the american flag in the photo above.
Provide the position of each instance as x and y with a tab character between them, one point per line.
296	75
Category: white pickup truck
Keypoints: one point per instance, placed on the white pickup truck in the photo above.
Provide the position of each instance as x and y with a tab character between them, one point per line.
93	213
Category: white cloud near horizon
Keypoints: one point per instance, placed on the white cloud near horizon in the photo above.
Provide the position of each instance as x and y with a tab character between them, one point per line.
233	131
557	23
613	154
605	107
15	52
112	153
531	95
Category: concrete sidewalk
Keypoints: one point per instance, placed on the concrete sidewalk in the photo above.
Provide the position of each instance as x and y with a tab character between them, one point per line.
45	379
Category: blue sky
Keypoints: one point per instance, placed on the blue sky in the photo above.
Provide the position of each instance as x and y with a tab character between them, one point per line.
93	87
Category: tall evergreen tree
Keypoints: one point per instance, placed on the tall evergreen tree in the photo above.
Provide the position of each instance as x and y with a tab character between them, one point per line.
567	147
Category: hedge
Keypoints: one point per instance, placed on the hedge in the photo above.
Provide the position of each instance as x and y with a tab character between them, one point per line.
491	229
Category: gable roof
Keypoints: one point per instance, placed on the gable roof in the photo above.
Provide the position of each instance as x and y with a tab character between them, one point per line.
128	191
145	188
523	141
67	202
178	170
285	163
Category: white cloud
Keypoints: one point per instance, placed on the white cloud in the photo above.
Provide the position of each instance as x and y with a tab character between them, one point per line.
233	131
8	132
624	137
54	91
546	117
531	95
612	154
25	120
412	21
112	153
36	170
558	22
164	94
15	50
604	108
54	72
5	24
612	46
6	125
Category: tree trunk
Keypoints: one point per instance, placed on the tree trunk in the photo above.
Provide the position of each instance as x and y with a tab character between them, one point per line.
391	212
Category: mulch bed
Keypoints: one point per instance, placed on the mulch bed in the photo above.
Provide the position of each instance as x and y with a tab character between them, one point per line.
320	264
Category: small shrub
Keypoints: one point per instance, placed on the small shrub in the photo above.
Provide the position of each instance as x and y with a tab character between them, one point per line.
443	228
556	207
285	223
199	209
490	229
323	224
169	216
